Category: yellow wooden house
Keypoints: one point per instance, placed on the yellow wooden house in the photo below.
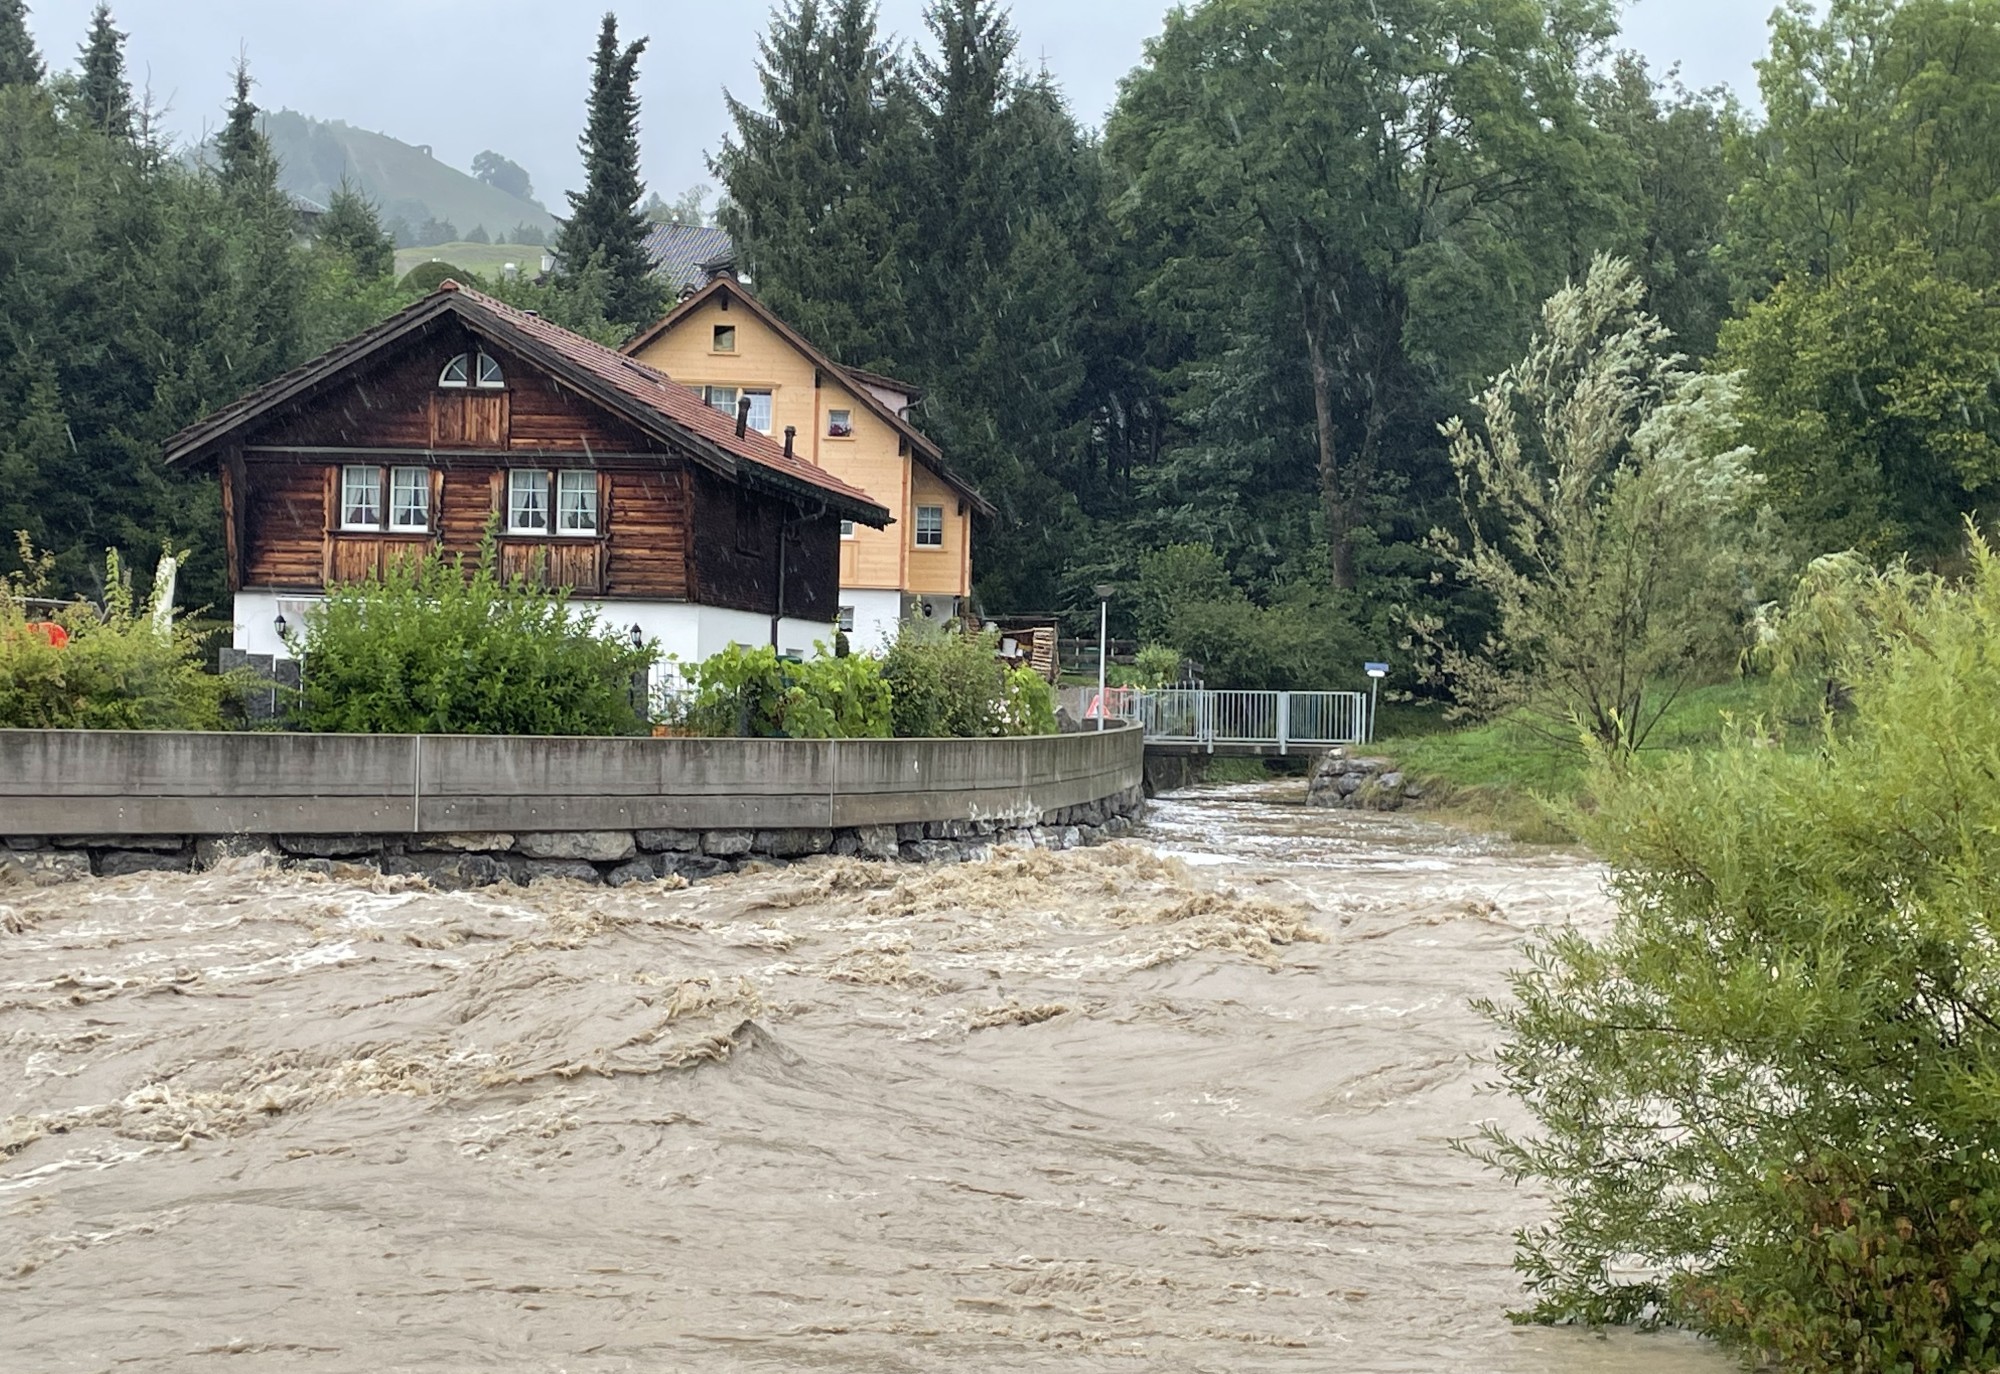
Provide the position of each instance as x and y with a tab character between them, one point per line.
728	346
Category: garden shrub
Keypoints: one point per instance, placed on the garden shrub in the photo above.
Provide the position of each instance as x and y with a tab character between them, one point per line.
442	646
946	683
753	692
134	667
1765	1103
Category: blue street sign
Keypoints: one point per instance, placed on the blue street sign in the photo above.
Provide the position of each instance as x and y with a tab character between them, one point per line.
1376	669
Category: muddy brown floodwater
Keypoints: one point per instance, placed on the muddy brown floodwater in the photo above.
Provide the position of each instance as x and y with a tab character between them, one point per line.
1176	1104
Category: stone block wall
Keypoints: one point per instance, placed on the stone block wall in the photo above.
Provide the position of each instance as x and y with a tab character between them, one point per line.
616	857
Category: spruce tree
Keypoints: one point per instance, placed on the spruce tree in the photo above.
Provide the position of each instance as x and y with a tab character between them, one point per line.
105	96
20	63
811	205
350	228
605	226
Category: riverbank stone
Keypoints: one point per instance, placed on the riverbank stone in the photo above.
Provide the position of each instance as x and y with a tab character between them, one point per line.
727	844
791	844
330	846
42	867
573	870
669	841
465	842
590	846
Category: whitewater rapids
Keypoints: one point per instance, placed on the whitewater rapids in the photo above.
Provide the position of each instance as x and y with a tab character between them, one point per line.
1182	1103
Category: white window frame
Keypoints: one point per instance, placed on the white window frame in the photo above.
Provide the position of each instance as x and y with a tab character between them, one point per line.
490	377
457	374
847	424
844	621
372	484
770	401
714	395
847	529
517	481
582	480
422	477
918	522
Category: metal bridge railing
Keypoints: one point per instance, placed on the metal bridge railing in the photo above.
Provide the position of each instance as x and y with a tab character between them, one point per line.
1204	719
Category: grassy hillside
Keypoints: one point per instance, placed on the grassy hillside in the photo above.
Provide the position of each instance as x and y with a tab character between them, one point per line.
484	258
404	181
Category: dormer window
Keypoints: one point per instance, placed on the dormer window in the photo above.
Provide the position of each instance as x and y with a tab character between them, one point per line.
467	369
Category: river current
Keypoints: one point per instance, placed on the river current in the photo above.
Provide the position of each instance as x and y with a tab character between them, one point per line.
1180	1103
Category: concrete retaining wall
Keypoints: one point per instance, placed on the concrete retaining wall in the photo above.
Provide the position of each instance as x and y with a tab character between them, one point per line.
121	801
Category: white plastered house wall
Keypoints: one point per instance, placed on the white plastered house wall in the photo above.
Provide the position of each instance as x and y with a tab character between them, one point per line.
688	633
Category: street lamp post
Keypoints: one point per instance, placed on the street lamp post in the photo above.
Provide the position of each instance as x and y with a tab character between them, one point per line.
1376	672
1103	649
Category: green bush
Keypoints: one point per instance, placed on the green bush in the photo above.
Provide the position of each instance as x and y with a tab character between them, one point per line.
945	683
1157	665
437	646
124	670
752	692
1769	1094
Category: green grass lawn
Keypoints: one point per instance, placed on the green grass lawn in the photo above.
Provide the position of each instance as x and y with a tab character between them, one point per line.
484	258
1511	777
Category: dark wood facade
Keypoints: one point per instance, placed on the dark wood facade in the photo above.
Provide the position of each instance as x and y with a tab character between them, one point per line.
667	527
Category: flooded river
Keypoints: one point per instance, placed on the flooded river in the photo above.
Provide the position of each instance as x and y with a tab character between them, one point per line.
1176	1104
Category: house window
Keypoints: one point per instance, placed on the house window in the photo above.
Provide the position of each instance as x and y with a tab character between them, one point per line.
930	527
461	371
840	424
409	498
576	501
847	620
361	497
847	529
723	398
760	410
527	501
725	338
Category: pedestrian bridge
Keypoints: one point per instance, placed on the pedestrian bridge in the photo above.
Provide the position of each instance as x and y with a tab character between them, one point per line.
1182	720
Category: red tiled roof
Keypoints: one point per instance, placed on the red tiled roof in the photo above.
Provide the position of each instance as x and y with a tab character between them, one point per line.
642	394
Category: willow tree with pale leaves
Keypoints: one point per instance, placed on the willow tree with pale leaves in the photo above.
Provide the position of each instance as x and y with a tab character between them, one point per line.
1608	517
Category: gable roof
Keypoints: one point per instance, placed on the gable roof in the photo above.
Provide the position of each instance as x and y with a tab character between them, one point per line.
926	451
682	253
642	396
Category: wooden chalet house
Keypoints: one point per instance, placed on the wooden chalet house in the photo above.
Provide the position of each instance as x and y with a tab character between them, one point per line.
853	425
461	413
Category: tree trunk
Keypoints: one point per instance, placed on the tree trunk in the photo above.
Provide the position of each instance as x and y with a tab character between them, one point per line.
1332	499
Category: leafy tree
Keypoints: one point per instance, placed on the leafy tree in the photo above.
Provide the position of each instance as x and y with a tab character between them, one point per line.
1767	1093
605	227
503	174
478	234
104	94
350	228
1608	519
1373	186
1877	132
1673	146
20	63
1870	398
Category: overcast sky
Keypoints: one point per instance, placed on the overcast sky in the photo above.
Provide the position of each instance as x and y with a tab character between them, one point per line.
511	75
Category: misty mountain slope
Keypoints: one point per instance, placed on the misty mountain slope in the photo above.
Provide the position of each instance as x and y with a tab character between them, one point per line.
402	179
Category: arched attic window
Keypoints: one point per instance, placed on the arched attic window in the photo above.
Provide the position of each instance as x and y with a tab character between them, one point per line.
463	371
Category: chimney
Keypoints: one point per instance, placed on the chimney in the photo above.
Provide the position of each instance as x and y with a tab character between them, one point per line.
791	433
742	417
